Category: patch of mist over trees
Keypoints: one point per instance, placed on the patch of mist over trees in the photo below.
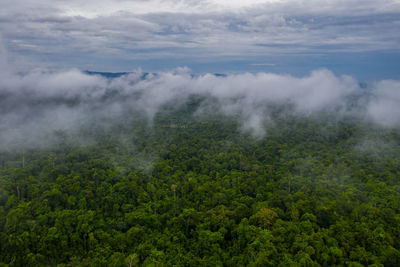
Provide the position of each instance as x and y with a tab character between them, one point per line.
36	104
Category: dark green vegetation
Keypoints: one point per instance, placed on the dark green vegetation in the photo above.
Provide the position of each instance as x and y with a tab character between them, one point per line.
198	191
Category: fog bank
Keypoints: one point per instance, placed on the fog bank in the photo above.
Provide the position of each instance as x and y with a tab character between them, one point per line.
37	103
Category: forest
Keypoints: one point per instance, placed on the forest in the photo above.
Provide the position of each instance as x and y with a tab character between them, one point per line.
190	189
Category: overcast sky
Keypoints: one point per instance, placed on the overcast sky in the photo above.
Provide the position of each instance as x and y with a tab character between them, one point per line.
355	37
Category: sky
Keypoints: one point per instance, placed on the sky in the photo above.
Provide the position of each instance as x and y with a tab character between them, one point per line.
360	38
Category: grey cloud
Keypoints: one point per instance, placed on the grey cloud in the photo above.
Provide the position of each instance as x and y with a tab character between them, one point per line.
282	27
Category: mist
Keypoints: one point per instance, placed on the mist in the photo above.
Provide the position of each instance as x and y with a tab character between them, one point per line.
34	105
384	107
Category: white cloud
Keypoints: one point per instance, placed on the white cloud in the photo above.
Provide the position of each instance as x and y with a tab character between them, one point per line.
384	106
35	104
40	102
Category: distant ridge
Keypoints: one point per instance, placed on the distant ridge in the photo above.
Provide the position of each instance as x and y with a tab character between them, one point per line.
107	74
112	75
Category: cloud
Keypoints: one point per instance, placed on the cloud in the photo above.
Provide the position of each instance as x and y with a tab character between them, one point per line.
38	103
384	107
3	59
66	33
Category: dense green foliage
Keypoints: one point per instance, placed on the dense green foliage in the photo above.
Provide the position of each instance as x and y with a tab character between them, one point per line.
186	191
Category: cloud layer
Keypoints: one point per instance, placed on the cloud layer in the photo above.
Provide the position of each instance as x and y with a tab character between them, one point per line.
36	104
109	34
